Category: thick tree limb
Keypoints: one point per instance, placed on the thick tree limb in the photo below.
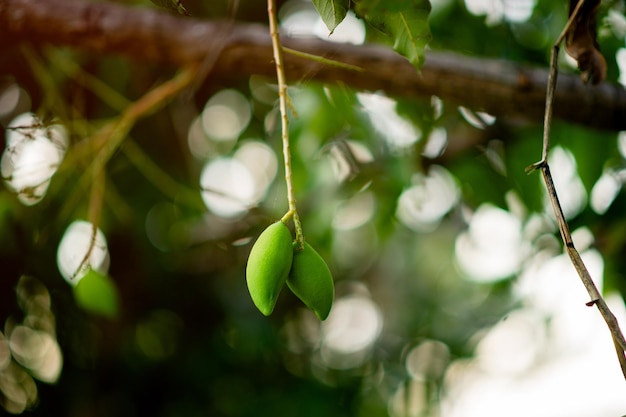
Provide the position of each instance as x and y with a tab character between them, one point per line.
498	87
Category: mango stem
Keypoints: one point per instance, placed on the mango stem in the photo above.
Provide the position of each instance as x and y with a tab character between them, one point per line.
284	117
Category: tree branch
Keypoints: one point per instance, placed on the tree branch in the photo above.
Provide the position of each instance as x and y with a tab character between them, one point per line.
499	87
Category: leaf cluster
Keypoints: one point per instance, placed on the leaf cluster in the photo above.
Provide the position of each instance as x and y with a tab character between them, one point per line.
403	22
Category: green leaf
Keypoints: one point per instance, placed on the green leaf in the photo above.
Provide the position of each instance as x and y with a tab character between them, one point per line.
364	7
173	5
332	12
97	293
408	28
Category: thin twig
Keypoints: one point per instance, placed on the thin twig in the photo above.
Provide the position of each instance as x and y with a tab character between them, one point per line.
76	73
161	179
93	216
581	269
111	136
322	60
284	117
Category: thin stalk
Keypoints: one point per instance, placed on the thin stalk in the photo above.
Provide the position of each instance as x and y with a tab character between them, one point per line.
322	60
284	117
110	137
94	213
596	298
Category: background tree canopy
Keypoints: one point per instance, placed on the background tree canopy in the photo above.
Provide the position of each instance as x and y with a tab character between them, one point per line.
453	294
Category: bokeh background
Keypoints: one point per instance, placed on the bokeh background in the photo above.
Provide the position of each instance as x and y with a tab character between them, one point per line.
453	295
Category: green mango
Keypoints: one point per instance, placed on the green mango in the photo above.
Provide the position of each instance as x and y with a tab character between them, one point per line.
311	281
268	265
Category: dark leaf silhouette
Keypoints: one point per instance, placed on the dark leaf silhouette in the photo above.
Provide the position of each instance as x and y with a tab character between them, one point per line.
581	43
173	5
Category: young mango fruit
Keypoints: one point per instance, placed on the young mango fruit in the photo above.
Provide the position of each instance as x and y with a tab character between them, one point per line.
311	281
268	266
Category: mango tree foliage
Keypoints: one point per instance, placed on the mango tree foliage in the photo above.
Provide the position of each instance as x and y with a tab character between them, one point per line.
436	238
332	12
404	22
174	5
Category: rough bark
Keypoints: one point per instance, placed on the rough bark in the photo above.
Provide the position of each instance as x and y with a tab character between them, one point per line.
498	87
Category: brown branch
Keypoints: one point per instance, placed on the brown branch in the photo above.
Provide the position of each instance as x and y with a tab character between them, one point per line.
499	87
596	298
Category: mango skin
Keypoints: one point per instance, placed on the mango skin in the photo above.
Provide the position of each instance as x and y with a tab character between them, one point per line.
268	265
311	281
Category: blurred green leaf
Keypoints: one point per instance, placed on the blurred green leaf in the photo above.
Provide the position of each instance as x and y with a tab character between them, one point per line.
383	6
97	294
332	12
173	5
408	27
